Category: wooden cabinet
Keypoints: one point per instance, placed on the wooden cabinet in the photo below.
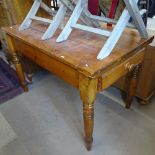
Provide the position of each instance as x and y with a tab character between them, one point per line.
146	84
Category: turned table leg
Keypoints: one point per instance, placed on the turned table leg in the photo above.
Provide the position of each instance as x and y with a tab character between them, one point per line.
88	116
132	86
16	62
88	91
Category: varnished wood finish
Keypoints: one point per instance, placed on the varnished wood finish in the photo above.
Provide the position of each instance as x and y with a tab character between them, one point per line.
88	91
75	62
146	79
132	86
17	63
13	12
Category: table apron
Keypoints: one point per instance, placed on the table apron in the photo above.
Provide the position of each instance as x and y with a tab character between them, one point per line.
111	76
70	74
53	65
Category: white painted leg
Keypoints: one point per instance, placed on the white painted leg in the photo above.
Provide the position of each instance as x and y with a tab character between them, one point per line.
115	35
55	23
73	19
120	26
85	16
137	19
27	21
86	20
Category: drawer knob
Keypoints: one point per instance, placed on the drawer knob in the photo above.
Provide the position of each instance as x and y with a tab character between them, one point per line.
129	67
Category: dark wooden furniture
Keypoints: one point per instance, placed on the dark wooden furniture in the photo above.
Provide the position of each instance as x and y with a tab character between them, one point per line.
75	62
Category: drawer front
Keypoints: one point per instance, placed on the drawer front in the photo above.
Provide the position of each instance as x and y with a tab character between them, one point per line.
108	78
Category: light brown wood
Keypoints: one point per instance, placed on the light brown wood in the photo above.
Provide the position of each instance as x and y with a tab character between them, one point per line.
121	69
13	12
88	91
62	70
17	63
132	86
146	79
75	62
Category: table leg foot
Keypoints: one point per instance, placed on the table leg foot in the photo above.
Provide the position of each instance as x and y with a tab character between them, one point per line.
89	143
19	71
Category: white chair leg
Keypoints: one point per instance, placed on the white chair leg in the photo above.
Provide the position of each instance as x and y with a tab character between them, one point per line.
27	21
79	11
137	19
55	23
84	18
121	25
72	20
115	35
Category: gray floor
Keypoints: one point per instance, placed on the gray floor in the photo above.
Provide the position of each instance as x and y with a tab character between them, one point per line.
48	121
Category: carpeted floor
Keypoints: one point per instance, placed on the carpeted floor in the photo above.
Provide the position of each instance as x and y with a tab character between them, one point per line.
6	132
9	85
48	120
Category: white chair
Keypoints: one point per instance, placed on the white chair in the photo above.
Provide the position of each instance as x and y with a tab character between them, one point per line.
131	10
53	24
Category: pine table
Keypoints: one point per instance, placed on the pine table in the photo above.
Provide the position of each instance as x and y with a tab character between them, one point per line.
75	62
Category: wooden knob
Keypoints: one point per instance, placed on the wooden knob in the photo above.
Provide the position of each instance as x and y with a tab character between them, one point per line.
129	67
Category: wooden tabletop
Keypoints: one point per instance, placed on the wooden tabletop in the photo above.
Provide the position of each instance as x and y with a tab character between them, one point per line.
81	49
